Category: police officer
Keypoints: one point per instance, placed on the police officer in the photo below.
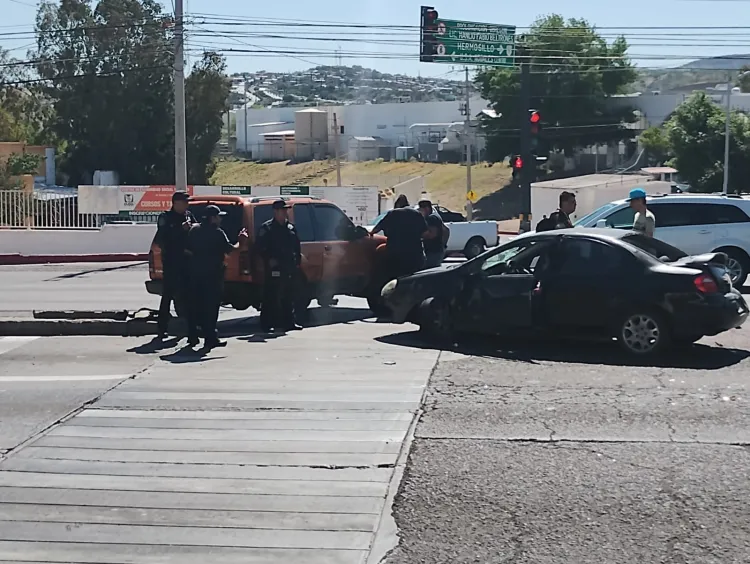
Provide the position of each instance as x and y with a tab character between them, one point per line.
209	245
279	245
171	236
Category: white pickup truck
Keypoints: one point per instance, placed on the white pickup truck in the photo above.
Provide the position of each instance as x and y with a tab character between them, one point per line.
469	238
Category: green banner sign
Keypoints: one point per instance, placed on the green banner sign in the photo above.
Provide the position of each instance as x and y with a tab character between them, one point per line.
294	190
235	190
459	42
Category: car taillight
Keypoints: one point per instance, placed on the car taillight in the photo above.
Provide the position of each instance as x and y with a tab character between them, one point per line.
244	262
705	284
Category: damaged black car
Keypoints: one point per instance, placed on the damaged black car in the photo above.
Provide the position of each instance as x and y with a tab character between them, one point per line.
587	283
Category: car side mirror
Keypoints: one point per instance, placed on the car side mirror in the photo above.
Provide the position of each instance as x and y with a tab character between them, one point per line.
359	232
601	223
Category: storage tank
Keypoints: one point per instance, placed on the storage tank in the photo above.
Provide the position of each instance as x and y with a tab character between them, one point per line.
311	133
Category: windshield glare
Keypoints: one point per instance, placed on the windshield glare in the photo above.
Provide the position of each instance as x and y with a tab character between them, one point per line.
587	219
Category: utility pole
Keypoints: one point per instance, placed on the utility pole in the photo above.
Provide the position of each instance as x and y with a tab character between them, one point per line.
180	135
725	187
526	156
245	120
336	148
467	135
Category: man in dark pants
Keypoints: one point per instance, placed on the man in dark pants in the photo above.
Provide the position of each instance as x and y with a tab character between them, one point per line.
171	236
434	245
209	245
279	245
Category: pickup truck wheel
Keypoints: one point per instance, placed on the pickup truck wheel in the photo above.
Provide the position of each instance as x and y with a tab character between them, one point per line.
475	246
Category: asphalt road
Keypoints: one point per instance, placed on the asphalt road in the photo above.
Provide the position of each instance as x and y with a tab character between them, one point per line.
574	454
110	286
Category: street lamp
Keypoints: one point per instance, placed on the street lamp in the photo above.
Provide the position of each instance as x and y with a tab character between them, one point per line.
730	84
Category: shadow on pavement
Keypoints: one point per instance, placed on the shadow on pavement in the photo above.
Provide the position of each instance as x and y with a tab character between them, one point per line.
95	271
187	355
700	357
249	327
155	345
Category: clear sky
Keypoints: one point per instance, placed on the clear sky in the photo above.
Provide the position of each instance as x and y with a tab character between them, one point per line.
657	48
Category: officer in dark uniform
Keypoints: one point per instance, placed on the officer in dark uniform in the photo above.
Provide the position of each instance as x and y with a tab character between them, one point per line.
279	245
171	236
208	245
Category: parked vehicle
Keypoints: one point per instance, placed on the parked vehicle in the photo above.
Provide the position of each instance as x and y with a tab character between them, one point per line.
337	257
696	223
585	282
469	238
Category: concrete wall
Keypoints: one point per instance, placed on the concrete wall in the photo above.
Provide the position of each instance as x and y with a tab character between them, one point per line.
110	239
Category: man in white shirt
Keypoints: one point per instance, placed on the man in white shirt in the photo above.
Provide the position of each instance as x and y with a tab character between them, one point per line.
644	221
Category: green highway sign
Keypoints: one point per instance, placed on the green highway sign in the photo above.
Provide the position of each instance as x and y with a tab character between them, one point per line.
294	190
460	42
235	190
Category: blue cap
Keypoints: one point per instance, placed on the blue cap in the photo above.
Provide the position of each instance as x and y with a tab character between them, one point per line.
637	194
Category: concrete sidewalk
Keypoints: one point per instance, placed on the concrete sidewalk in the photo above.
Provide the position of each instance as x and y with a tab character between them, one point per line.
263	452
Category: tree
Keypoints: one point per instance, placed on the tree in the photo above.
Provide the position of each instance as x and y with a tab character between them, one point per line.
744	81
109	71
696	135
206	93
23	108
656	143
573	72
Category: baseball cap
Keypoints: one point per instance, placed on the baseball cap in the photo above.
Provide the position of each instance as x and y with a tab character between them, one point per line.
280	205
214	211
637	194
180	196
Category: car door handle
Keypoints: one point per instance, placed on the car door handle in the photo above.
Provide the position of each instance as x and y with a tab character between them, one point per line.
328	248
704	232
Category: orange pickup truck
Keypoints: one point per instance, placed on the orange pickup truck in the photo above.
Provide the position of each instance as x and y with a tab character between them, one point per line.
337	256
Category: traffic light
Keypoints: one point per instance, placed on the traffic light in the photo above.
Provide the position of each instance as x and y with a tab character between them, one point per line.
516	163
535	125
428	29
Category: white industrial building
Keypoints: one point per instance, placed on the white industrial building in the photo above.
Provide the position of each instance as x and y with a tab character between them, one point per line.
390	124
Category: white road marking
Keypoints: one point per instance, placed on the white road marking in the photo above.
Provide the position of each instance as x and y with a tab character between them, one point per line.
7	344
73	378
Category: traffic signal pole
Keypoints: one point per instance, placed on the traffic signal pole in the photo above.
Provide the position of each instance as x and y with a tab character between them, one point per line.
526	156
180	137
467	134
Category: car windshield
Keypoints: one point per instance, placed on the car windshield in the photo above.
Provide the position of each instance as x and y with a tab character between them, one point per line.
586	219
231	223
654	247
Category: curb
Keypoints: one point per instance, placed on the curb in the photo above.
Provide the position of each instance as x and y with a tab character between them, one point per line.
75	327
19	259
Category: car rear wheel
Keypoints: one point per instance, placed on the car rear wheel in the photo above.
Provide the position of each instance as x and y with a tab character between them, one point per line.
475	246
435	320
643	333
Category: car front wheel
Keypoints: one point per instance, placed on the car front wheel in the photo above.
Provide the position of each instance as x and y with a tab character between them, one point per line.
643	333
435	320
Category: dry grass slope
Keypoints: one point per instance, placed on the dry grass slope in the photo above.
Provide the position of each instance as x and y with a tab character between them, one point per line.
445	182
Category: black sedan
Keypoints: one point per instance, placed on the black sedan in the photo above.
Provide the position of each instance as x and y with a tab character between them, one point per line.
584	282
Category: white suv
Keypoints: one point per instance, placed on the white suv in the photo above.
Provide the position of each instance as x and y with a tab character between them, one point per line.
695	223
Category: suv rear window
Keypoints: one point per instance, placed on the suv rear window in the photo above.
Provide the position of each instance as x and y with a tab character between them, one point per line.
261	214
230	223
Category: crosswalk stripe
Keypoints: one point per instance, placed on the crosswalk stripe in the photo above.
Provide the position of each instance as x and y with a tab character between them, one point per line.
7	344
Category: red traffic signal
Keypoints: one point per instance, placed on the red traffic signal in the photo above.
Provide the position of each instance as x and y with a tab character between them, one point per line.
517	162
430	16
535	117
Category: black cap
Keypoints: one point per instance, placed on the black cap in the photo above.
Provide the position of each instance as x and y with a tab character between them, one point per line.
424	204
281	205
180	196
214	211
